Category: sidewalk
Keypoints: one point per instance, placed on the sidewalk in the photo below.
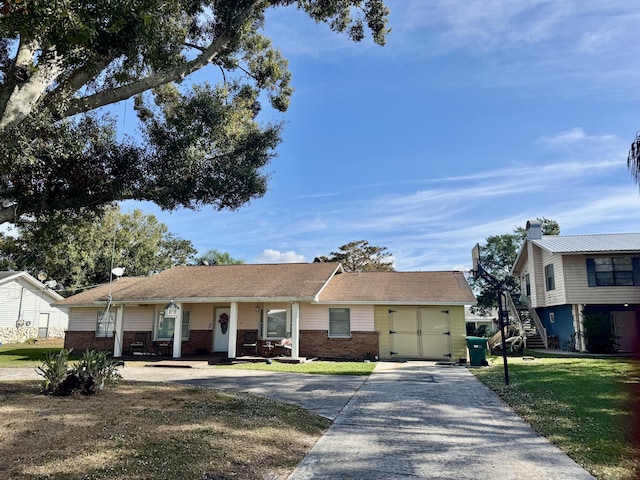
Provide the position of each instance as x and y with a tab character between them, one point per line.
419	420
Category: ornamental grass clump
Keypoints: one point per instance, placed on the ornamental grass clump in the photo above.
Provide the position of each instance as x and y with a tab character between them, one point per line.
88	377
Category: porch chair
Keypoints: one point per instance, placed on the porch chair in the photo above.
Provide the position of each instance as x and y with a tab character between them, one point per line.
250	342
139	343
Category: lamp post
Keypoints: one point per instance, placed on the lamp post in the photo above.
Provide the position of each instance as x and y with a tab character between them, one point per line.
503	314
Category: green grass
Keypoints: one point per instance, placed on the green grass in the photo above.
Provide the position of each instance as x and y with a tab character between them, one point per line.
588	407
32	355
28	354
317	367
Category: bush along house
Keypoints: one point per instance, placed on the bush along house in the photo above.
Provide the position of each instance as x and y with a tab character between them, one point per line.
583	291
307	309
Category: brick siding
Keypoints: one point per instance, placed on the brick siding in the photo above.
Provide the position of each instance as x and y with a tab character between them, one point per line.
316	343
313	343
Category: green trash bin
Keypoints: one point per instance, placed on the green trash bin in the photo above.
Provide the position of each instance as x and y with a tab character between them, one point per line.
477	351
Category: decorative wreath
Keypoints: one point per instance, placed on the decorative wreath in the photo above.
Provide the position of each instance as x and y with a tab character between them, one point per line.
224	319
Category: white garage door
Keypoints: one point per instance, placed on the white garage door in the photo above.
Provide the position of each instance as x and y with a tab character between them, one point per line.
420	333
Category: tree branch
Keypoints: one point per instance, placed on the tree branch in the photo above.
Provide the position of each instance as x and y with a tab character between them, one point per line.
25	95
108	97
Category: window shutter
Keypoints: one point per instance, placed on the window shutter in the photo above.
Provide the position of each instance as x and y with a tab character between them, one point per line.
591	272
636	270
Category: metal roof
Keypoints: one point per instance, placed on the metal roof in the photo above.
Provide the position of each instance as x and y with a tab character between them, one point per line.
596	243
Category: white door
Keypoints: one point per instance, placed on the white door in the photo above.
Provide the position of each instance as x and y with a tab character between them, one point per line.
43	325
434	333
404	332
626	328
420	333
220	338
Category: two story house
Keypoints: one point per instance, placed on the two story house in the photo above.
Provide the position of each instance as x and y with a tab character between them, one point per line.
565	277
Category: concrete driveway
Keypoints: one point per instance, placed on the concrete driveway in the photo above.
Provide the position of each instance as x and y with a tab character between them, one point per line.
407	420
421	420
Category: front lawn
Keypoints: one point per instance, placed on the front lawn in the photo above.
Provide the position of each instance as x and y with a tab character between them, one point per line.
28	354
590	408
318	367
150	431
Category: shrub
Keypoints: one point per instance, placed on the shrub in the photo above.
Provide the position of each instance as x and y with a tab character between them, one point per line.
95	369
88	377
54	369
599	334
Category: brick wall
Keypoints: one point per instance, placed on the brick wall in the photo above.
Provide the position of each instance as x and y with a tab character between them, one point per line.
316	343
199	342
81	341
313	343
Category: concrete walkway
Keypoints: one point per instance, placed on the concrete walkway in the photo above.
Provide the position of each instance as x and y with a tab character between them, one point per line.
407	420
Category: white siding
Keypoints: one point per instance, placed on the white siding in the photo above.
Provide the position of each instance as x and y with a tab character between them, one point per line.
316	317
556	296
138	319
22	300
83	319
579	291
201	315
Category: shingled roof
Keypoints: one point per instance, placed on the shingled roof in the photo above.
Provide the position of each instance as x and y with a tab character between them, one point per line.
312	282
416	288
286	281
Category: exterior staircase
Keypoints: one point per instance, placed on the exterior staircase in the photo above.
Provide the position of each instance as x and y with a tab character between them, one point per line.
529	326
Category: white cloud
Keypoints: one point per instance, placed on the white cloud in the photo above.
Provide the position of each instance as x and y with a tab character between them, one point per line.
578	136
274	256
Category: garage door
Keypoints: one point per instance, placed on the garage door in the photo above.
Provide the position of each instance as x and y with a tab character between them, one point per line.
420	333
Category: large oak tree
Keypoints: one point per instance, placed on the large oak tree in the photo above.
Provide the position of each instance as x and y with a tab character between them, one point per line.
62	62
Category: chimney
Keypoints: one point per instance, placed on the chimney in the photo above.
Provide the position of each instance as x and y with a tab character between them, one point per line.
534	230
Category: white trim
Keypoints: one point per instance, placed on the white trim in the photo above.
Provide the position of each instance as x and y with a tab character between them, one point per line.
233	329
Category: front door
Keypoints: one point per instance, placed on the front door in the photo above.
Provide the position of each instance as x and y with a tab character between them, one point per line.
220	332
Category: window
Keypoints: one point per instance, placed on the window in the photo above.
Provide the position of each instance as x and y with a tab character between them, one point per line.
277	323
106	324
613	271
186	320
527	283
339	322
549	277
165	326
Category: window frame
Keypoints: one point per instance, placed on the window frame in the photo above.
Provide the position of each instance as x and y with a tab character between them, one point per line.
549	277
186	322
339	321
108	333
275	334
602	271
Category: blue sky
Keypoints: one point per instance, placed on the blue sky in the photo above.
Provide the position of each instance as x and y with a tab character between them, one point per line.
475	117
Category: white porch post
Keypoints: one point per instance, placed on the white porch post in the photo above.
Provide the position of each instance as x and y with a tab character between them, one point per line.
295	330
118	336
582	344
177	333
233	329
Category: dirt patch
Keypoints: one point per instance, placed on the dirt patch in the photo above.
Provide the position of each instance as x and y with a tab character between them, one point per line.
150	431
